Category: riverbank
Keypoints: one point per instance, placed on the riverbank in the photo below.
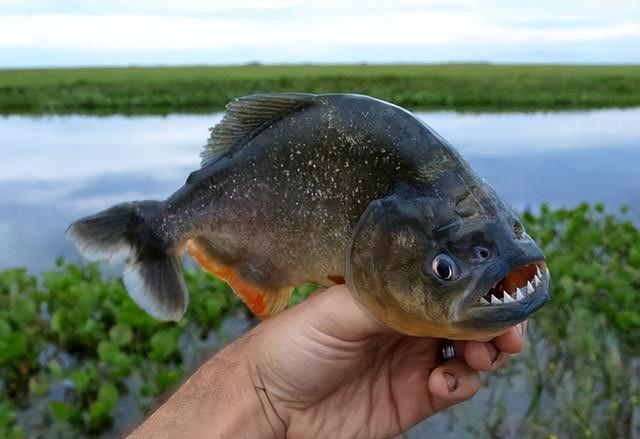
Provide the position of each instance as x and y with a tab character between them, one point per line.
464	87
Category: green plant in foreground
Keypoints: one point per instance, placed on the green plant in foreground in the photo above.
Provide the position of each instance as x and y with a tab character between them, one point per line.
76	341
8	427
82	330
589	363
595	263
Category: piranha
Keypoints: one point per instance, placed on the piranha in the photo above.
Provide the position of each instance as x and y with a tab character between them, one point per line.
332	188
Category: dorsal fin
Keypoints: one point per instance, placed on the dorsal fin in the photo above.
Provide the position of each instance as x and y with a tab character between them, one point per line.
247	116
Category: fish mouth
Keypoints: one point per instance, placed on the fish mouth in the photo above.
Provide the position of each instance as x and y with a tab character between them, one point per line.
512	298
517	285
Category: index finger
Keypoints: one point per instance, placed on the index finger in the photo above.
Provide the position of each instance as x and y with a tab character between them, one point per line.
512	341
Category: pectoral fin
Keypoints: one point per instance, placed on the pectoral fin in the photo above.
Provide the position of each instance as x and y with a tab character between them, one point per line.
263	301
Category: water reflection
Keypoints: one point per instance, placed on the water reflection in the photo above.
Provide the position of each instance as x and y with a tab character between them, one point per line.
56	169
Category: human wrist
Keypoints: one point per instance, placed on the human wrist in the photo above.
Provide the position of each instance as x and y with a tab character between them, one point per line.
218	400
245	409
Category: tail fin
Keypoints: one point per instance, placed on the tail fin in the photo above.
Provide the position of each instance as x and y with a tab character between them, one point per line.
153	274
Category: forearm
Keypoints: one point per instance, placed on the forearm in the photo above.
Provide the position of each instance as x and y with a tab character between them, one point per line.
219	400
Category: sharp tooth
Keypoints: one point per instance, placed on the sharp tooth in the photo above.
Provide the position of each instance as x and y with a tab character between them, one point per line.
538	271
519	295
484	301
529	287
495	300
508	299
536	280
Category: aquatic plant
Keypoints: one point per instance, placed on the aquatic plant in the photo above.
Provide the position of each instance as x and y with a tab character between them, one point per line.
78	357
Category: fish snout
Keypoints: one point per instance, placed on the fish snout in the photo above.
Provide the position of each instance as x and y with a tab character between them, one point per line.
481	253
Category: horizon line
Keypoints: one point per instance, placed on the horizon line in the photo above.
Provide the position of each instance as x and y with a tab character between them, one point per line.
321	64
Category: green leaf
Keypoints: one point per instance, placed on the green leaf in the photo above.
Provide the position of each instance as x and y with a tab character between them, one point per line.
55	368
628	320
81	380
108	351
22	310
58	321
634	255
100	410
14	348
7	413
121	334
91	329
166	379
99	413
163	344
5	329
61	411
38	384
108	394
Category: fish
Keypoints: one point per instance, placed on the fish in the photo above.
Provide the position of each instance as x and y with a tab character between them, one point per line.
331	188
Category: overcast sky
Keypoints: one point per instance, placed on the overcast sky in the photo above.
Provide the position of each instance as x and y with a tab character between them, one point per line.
151	32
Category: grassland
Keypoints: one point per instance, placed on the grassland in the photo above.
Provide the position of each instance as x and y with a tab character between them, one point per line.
473	87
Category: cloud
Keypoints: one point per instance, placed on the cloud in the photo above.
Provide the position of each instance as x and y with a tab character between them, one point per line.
290	26
151	32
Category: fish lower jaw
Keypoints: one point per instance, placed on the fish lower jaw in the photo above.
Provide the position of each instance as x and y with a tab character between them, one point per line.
517	286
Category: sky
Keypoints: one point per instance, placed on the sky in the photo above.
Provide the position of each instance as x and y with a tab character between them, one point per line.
43	33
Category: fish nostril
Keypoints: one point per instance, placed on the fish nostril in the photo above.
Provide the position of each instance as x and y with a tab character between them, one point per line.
482	253
517	229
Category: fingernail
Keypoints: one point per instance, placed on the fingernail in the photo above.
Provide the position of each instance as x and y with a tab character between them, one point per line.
493	352
519	330
452	383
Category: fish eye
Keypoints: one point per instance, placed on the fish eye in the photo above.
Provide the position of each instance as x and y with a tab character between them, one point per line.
444	267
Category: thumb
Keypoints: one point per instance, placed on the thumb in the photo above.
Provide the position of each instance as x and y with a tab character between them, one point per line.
452	382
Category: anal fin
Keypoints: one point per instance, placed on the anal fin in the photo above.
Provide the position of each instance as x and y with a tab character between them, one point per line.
264	302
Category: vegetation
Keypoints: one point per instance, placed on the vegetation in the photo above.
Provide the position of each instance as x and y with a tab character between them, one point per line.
582	369
206	89
78	342
74	347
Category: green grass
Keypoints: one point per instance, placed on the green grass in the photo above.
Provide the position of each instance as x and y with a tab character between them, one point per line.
473	87
71	325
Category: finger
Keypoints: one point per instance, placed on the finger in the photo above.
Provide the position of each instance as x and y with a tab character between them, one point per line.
452	382
334	311
512	341
484	356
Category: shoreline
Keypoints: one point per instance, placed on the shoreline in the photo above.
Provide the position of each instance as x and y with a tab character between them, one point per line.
199	89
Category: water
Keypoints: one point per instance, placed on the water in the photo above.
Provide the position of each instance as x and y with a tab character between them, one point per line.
57	169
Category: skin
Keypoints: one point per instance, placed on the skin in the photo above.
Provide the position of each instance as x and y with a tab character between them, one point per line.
325	368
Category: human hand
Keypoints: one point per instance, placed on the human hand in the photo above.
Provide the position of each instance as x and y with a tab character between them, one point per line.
326	368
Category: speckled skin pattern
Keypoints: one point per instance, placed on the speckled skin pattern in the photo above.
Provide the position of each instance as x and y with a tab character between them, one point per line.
287	208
